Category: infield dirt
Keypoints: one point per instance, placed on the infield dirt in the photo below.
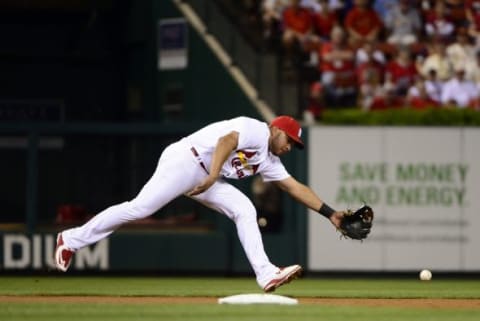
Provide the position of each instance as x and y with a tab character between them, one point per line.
407	303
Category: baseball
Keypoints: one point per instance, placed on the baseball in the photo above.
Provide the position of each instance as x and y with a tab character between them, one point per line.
262	222
425	275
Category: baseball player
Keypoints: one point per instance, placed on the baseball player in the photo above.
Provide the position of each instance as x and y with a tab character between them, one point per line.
198	166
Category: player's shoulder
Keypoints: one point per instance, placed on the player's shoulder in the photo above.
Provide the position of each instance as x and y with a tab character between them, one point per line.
247	120
249	123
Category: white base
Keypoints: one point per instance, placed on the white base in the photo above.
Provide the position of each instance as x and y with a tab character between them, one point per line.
257	299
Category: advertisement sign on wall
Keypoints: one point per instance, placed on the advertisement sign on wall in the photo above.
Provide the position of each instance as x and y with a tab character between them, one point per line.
424	185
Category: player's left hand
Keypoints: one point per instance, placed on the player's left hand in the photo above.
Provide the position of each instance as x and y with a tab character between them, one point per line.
337	218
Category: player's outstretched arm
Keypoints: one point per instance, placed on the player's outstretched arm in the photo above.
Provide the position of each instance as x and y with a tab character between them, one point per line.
307	196
352	224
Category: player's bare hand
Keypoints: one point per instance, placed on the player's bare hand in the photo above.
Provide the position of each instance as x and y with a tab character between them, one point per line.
337	218
203	186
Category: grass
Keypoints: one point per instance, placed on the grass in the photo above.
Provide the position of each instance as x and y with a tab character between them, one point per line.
148	312
217	287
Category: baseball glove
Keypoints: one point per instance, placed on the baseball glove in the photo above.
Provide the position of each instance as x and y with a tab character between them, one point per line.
356	225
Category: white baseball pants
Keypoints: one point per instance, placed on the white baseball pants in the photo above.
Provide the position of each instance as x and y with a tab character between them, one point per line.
178	172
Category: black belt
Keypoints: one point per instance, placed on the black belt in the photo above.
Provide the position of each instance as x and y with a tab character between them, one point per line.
197	156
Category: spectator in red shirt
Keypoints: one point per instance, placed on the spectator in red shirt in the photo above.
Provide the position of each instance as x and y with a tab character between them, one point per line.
324	20
362	23
296	20
337	68
316	103
298	30
401	72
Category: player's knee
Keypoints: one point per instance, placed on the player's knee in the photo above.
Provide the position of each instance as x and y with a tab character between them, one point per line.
245	212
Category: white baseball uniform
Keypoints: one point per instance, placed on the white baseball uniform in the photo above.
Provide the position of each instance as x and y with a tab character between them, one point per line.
182	166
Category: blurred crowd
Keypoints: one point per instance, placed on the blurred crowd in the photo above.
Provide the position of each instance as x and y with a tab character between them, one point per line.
380	54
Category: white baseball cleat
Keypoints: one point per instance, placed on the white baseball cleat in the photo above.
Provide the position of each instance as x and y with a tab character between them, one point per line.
63	255
283	276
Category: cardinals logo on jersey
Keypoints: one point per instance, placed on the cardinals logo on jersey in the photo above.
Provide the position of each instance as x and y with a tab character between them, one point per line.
240	164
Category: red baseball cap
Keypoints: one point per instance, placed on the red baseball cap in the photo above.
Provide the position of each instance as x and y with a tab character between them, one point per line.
291	127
